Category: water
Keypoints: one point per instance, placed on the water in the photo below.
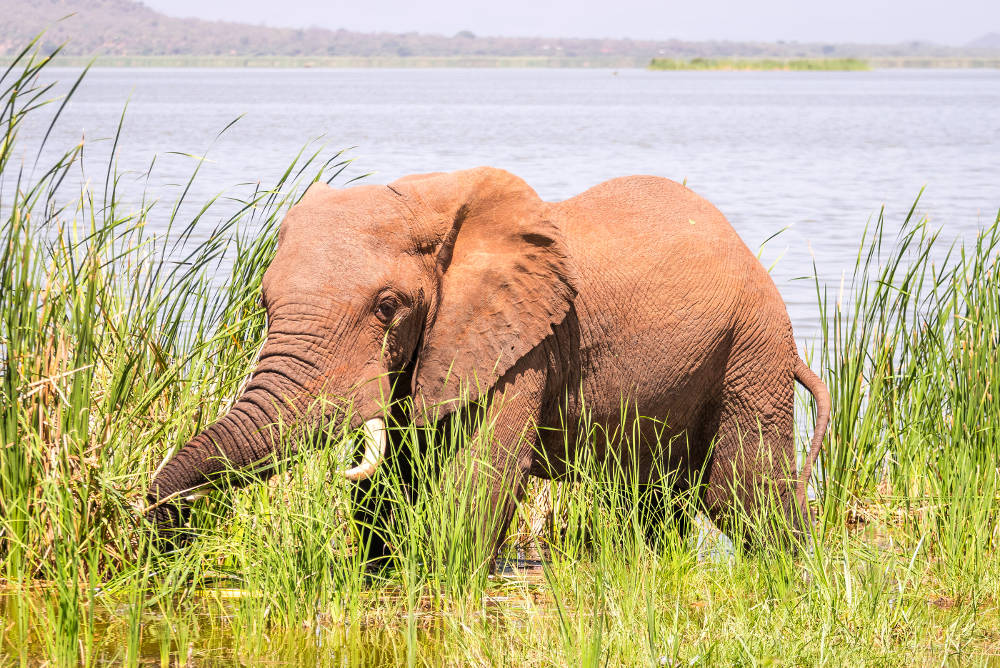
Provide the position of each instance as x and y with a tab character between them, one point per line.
208	632
818	153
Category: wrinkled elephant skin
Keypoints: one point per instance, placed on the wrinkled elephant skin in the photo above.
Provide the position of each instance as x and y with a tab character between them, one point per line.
637	294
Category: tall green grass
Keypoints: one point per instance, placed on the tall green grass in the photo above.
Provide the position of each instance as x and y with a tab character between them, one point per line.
117	344
910	344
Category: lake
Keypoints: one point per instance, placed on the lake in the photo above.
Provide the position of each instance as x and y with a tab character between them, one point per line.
817	153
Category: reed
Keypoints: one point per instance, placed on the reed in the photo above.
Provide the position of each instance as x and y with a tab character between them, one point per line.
118	343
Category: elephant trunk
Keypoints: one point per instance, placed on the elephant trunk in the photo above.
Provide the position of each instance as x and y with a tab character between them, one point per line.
245	437
249	438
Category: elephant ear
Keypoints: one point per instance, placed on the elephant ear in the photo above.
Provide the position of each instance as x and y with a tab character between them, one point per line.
504	279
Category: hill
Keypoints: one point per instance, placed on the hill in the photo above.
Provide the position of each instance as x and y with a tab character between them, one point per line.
125	28
990	41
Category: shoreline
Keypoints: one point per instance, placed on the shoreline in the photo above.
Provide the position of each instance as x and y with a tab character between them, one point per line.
483	62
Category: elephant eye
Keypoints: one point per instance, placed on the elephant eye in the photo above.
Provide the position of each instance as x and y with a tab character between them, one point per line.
386	309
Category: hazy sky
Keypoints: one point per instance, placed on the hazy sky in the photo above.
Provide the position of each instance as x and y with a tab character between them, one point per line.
944	21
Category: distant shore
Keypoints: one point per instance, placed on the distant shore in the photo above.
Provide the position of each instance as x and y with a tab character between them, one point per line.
353	61
613	62
762	64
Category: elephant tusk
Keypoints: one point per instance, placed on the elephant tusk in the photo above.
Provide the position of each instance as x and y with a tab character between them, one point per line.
375	440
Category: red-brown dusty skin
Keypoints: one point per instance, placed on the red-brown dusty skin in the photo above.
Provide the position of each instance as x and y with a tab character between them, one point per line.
637	294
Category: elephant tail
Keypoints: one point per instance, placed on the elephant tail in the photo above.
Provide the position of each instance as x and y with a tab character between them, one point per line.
816	387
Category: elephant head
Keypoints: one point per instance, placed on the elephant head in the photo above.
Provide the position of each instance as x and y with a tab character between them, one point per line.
445	280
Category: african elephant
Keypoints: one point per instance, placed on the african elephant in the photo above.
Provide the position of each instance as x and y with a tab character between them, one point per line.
455	287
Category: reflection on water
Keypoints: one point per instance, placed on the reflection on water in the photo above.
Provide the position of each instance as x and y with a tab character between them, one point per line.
223	625
204	635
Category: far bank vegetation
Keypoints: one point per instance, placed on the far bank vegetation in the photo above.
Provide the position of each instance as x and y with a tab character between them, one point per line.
761	64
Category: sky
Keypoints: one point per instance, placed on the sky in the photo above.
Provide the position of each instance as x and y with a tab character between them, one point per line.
953	22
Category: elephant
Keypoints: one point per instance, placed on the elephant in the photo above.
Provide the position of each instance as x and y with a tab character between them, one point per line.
448	289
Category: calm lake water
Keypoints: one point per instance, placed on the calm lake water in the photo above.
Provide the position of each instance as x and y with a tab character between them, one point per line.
818	153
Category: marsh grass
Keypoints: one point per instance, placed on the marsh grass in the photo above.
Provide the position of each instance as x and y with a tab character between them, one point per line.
762	64
117	344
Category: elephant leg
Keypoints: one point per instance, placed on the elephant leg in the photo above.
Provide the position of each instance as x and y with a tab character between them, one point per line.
374	498
493	465
662	509
653	508
752	467
370	519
